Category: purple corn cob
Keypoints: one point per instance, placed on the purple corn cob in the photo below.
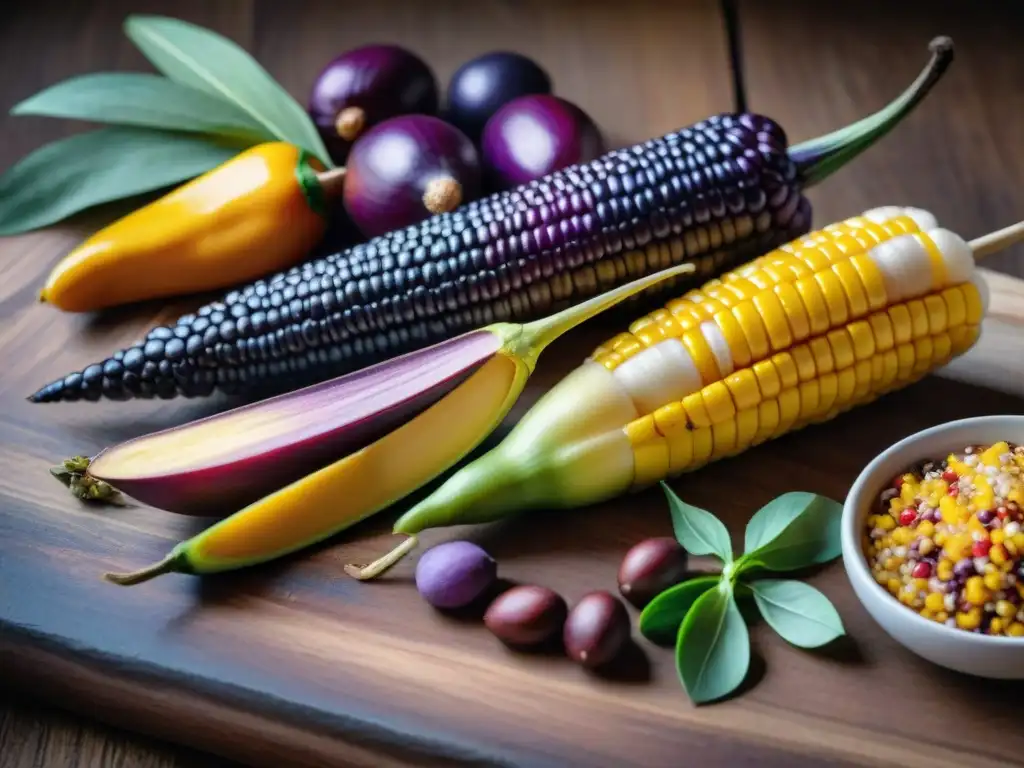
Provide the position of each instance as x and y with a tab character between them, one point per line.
717	193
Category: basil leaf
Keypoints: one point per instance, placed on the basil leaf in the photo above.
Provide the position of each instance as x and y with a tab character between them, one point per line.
798	612
713	648
150	101
202	59
699	531
795	530
76	173
661	618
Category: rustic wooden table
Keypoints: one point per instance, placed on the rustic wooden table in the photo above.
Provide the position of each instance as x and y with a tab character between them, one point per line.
641	69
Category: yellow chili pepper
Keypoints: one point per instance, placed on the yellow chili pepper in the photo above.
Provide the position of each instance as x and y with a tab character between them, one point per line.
260	212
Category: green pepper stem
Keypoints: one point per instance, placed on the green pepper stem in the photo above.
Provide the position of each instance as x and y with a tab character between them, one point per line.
537	335
996	241
819	158
175	562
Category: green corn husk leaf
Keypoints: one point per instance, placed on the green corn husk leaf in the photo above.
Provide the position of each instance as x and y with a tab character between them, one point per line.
85	170
143	100
202	59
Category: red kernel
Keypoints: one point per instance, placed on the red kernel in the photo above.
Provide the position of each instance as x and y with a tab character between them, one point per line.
950	476
981	548
908	516
954	490
897	482
1002	513
922	571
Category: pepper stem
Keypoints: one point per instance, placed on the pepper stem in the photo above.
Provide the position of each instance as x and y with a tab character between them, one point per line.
174	563
332	182
382	564
996	241
537	335
442	195
819	158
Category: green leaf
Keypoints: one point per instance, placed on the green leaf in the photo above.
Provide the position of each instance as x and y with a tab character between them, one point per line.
798	612
73	174
699	531
795	530
713	648
661	618
149	101
202	59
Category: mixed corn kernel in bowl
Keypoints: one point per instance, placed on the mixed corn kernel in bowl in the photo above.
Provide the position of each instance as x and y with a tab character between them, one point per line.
947	539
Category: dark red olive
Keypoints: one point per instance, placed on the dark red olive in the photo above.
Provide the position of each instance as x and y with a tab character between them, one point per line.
651	567
526	615
597	629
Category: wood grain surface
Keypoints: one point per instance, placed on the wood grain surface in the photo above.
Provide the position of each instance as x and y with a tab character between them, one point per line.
294	664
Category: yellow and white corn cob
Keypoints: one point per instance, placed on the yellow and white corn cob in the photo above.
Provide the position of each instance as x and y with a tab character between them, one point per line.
797	336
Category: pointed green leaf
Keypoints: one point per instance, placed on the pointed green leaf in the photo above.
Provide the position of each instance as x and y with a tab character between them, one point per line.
699	531
71	175
661	618
798	612
202	59
793	531
148	101
713	648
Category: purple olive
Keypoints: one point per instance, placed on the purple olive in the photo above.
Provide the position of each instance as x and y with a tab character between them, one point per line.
597	629
365	86
482	85
651	567
454	574
406	169
533	136
526	615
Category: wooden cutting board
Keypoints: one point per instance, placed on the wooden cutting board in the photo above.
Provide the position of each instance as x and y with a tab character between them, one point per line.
296	664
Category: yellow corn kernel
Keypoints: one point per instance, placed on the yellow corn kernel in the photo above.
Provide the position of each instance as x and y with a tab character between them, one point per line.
718	402
893	585
1005	608
650	336
1018	541
835	297
852	287
702	355
886	523
789	412
746	427
993	581
956	307
774	317
902	536
972	300
814	303
862	338
785	366
899	316
896	506
703	446
957	547
938	264
734	337
976	526
926	528
934	602
944	570
920	584
723	437
927	613
991	456
970	619
696	413
828	389
995	626
846	383
918	318
670	418
767	420
793	308
804	361
940	537
975	591
872	280
881	329
842	349
743	387
680	450
938	318
997	536
1016	629
749	320
1010	547
908	492
941	617
998	554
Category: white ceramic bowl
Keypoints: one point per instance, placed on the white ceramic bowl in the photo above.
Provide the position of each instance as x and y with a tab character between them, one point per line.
969	652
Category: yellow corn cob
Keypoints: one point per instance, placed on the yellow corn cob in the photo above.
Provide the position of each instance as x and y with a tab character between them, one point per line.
812	329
